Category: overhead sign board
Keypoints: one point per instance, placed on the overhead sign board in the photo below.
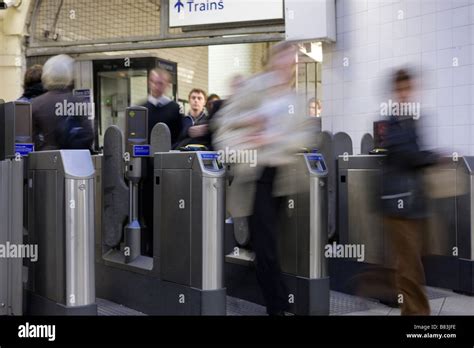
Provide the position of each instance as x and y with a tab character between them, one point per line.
199	12
310	20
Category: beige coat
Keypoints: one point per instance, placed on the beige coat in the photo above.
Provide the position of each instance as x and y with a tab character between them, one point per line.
287	129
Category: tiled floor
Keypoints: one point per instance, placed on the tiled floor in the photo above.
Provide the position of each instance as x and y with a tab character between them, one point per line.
442	302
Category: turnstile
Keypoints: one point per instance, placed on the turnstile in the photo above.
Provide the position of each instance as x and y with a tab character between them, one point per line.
303	235
15	140
189	210
11	235
448	242
169	263
61	198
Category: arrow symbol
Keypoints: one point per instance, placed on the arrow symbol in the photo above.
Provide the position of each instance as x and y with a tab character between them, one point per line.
179	5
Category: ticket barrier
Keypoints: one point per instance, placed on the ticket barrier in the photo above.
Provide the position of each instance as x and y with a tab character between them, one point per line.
448	239
303	235
46	224
61	197
160	249
15	133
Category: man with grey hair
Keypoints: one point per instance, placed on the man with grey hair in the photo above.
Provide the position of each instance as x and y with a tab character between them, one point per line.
59	120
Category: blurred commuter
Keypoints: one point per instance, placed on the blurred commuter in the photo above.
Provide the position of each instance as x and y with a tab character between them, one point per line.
403	199
315	107
60	119
264	116
32	86
236	82
162	109
210	101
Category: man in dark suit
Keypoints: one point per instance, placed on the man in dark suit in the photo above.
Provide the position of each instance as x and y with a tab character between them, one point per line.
161	108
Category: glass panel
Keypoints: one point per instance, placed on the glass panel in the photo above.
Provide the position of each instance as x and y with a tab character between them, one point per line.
118	90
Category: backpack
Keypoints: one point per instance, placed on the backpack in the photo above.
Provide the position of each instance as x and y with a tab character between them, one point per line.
75	133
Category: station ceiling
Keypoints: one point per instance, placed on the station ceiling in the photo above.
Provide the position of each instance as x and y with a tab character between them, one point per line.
94	26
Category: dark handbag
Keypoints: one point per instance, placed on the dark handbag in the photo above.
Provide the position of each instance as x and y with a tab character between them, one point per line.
74	133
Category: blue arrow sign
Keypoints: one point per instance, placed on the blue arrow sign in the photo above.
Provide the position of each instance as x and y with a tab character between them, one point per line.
179	5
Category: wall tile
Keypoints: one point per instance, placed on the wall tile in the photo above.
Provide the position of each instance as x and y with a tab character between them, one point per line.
461	115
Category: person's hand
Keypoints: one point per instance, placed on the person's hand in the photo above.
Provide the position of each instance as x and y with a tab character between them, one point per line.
198	131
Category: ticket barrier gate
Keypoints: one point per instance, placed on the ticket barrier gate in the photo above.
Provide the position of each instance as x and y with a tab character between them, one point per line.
15	128
360	223
331	147
61	223
169	262
449	239
303	235
47	219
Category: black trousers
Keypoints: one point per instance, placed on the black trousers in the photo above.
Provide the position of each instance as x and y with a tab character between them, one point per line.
263	229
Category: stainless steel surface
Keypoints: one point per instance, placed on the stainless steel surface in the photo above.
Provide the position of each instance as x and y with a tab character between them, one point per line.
80	276
318	227
241	256
134	201
443	223
98	160
189	207
303	224
464	205
450	223
360	217
134	169
471	213
318	215
7	131
15	270
11	233
172	43
212	232
365	219
61	199
4	183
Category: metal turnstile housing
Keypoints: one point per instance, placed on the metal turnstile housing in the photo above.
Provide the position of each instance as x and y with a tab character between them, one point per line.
61	198
303	235
189	209
449	238
11	233
182	274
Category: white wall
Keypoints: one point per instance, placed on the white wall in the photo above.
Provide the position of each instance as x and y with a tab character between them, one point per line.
192	67
435	37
